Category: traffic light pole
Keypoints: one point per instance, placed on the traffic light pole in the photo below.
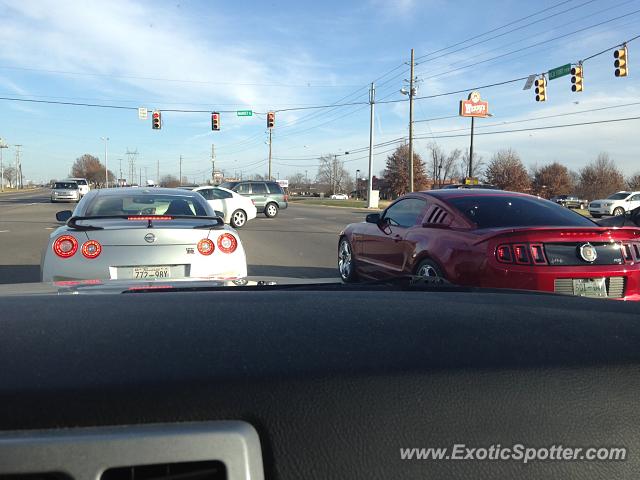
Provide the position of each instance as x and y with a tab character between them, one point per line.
372	102
269	154
471	149
411	126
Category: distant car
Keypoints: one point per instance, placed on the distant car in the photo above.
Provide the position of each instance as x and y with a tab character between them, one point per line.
616	204
237	210
493	239
570	201
339	196
83	185
142	234
268	197
66	191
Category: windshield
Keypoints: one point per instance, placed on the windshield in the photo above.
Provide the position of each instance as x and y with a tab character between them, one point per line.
507	211
310	115
618	196
145	205
65	186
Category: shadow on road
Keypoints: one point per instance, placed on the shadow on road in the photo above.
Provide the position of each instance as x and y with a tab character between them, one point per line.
19	273
294	272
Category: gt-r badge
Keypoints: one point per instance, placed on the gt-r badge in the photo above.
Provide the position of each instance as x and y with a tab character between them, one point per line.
588	252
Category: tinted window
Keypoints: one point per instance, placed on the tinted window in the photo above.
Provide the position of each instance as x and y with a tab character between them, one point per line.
275	188
217	194
206	193
618	196
259	189
405	213
242	188
146	205
508	211
65	186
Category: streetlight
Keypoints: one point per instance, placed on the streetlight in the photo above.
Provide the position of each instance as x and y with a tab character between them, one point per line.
106	168
2	145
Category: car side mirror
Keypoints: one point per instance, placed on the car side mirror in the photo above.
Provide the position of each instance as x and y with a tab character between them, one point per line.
219	213
64	215
373	218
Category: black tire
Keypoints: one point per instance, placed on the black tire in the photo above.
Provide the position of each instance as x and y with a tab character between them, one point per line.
271	210
596	215
346	262
238	219
429	268
618	211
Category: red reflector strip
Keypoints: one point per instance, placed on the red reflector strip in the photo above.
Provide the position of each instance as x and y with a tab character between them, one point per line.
159	217
150	287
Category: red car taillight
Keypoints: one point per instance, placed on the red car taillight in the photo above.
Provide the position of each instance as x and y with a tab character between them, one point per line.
205	246
286	198
227	243
522	254
91	249
65	246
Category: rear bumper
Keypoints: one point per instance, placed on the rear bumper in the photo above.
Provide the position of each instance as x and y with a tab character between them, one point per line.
544	278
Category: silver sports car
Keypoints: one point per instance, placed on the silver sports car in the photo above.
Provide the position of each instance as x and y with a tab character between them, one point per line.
150	233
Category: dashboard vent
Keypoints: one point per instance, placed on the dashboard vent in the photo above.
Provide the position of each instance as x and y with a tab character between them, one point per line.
207	470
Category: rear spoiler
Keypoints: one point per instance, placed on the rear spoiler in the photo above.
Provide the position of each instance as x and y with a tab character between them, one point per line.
582	230
73	221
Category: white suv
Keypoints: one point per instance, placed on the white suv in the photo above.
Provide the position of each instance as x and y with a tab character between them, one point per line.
616	204
83	185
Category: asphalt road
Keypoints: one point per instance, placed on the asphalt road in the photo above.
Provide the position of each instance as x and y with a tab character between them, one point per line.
300	242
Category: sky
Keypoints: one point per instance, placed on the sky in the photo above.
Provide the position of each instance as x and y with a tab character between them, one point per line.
293	56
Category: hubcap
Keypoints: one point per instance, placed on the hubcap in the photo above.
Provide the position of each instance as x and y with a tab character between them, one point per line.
271	210
238	219
427	271
344	259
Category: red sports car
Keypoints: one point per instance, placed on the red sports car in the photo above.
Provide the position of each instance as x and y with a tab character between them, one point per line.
492	238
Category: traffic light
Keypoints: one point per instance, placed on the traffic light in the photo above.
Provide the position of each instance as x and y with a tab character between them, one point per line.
620	54
156	120
271	119
541	89
215	121
576	78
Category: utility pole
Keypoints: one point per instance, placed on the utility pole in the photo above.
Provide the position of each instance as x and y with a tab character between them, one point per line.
411	92
180	179
372	102
17	185
146	177
120	176
132	154
140	181
106	162
157	182
2	145
269	154
213	164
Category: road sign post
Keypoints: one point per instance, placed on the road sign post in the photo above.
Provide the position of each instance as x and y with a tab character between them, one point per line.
559	71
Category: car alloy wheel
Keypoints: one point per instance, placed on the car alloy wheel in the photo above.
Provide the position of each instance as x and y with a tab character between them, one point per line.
428	269
238	219
271	210
345	261
618	211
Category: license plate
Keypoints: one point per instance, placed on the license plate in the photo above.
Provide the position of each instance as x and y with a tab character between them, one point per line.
590	287
152	273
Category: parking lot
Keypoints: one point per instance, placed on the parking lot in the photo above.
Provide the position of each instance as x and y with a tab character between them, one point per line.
300	242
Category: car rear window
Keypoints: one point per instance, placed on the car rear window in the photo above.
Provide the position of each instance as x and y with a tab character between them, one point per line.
81	182
65	186
513	211
275	188
108	205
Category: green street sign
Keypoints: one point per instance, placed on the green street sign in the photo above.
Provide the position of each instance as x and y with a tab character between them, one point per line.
244	113
559	71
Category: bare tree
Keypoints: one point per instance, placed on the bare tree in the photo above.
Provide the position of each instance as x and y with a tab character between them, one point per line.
507	172
600	178
633	182
297	180
9	175
169	181
477	166
331	172
442	165
552	179
397	171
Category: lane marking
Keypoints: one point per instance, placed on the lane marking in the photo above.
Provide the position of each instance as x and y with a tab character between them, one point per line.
300	218
49	228
4	231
